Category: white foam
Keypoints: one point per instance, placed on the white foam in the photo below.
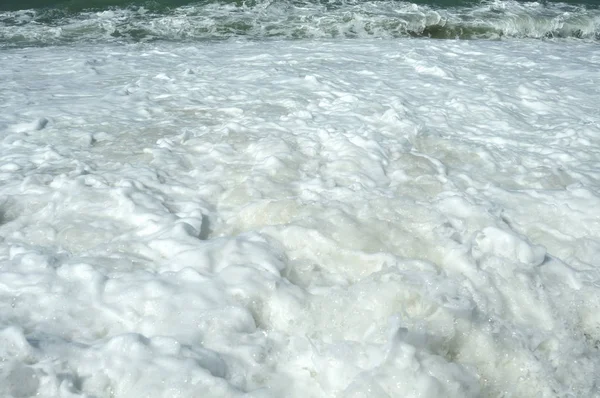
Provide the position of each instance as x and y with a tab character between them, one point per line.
353	218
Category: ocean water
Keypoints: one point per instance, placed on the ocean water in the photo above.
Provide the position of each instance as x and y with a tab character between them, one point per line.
43	22
299	199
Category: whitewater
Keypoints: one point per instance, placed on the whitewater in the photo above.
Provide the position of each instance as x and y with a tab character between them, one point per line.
300	218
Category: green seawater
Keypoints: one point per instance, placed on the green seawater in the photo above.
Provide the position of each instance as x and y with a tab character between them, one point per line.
80	5
61	22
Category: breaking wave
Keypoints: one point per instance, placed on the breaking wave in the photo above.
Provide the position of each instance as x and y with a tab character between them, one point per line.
286	19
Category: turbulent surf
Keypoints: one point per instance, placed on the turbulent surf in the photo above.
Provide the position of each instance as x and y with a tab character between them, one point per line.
303	199
287	19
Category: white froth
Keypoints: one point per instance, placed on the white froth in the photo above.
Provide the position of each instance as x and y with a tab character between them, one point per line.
298	219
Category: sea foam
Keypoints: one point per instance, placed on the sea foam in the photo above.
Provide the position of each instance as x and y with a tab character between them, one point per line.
362	218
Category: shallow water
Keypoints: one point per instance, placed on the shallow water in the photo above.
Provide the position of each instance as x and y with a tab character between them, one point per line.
362	218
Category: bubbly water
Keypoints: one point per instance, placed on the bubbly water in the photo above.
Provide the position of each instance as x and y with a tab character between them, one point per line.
184	20
336	217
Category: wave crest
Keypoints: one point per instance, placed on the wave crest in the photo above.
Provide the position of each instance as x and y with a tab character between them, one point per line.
289	19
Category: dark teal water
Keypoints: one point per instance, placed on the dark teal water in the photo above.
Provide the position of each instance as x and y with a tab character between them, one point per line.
63	22
79	5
